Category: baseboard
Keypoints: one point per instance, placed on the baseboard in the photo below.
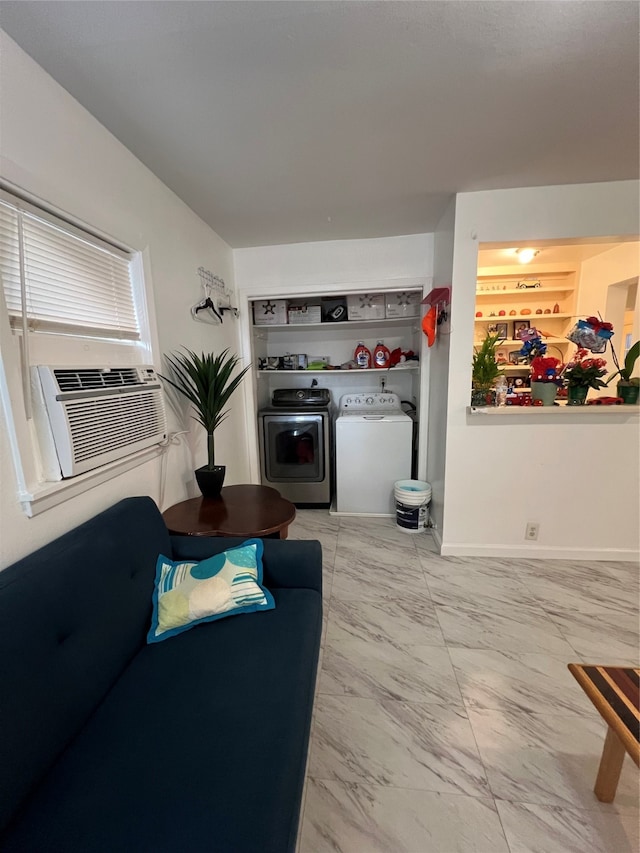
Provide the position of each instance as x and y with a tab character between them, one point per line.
334	511
435	534
541	552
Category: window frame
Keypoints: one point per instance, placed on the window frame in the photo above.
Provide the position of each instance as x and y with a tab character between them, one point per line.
33	492
25	321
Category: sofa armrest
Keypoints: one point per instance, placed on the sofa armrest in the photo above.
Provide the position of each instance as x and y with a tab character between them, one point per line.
287	563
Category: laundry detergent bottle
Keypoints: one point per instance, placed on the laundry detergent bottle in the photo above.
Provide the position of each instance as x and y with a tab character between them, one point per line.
381	355
362	356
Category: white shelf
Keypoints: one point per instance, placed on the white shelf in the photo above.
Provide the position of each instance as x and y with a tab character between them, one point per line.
515	318
337	372
511	368
508	343
345	324
539	292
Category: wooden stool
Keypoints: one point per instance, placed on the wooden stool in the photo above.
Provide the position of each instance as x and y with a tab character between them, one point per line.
614	690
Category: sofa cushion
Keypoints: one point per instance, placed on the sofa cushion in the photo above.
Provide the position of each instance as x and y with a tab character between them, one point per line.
200	745
72	615
186	594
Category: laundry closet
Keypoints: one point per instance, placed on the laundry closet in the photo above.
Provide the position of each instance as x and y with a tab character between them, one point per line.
323	431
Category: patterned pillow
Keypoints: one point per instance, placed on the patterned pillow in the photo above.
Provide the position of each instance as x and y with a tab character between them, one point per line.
186	594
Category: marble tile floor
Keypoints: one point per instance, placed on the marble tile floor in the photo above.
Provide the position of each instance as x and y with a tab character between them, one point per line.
446	720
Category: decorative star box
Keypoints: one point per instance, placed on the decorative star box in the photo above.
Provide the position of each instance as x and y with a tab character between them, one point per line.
366	306
403	303
272	312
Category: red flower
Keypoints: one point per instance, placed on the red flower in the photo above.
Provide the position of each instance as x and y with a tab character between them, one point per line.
583	371
544	369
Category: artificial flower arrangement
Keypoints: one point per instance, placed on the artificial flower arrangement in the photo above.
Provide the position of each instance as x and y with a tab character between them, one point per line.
546	369
532	348
584	372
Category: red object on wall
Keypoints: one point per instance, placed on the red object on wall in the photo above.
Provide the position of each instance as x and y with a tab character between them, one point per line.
429	322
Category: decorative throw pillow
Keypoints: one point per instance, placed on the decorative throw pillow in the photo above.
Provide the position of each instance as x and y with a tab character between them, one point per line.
186	594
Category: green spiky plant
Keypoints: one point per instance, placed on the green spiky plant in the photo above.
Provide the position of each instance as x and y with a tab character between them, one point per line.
485	369
206	381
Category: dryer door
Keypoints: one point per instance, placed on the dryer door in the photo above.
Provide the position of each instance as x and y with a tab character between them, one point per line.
294	449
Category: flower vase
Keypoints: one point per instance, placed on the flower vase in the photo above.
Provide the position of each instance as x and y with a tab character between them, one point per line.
483	397
577	395
544	391
628	392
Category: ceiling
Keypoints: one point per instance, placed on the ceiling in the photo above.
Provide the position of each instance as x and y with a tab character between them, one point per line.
283	122
549	252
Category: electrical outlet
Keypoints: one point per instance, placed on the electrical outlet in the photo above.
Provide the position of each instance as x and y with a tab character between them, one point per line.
532	530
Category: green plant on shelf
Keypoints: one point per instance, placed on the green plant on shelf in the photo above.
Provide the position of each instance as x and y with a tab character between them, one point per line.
625	372
628	386
485	369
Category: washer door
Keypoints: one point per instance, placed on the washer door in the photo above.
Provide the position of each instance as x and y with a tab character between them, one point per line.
294	449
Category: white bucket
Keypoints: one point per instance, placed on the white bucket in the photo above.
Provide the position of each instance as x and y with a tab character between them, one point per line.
412	505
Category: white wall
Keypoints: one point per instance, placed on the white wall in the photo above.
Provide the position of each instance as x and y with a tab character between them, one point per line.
604	289
566	475
439	372
336	266
53	148
301	267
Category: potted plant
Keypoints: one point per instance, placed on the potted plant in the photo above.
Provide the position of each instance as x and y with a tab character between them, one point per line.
206	381
485	371
544	379
627	387
582	373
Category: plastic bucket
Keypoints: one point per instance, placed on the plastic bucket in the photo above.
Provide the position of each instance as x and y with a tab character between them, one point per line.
412	505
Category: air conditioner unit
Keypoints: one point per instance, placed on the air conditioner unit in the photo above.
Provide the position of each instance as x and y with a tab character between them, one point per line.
99	414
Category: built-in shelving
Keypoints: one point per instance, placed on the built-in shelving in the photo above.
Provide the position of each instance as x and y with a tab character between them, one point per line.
336	342
337	372
496	291
540	292
508	343
345	324
515	368
512	318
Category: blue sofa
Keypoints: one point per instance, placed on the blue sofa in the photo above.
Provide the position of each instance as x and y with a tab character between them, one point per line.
110	745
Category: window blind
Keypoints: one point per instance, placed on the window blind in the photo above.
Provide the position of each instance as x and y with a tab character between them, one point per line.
75	283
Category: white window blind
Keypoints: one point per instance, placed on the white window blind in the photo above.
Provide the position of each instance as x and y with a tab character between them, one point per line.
75	283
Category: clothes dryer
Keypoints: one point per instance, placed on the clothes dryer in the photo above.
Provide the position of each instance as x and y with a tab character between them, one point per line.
295	445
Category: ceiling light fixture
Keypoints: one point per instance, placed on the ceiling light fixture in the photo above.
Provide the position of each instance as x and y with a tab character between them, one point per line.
525	256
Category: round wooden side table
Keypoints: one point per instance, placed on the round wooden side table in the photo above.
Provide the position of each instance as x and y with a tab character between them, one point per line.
244	510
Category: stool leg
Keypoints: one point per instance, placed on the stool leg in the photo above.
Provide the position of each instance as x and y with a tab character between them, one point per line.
610	767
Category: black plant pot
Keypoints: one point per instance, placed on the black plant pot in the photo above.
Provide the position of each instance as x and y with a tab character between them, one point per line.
210	481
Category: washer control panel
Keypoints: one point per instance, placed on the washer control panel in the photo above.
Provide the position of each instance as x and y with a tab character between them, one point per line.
370	401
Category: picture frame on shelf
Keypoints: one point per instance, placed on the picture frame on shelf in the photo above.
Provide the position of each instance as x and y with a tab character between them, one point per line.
520	325
499	329
502	357
517	359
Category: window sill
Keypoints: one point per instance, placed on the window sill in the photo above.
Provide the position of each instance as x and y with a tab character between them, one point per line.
561	412
48	495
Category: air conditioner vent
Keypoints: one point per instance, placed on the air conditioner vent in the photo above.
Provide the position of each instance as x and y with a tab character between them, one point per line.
86	379
98	415
101	426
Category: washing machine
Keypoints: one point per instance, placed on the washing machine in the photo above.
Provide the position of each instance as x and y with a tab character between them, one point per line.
373	443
